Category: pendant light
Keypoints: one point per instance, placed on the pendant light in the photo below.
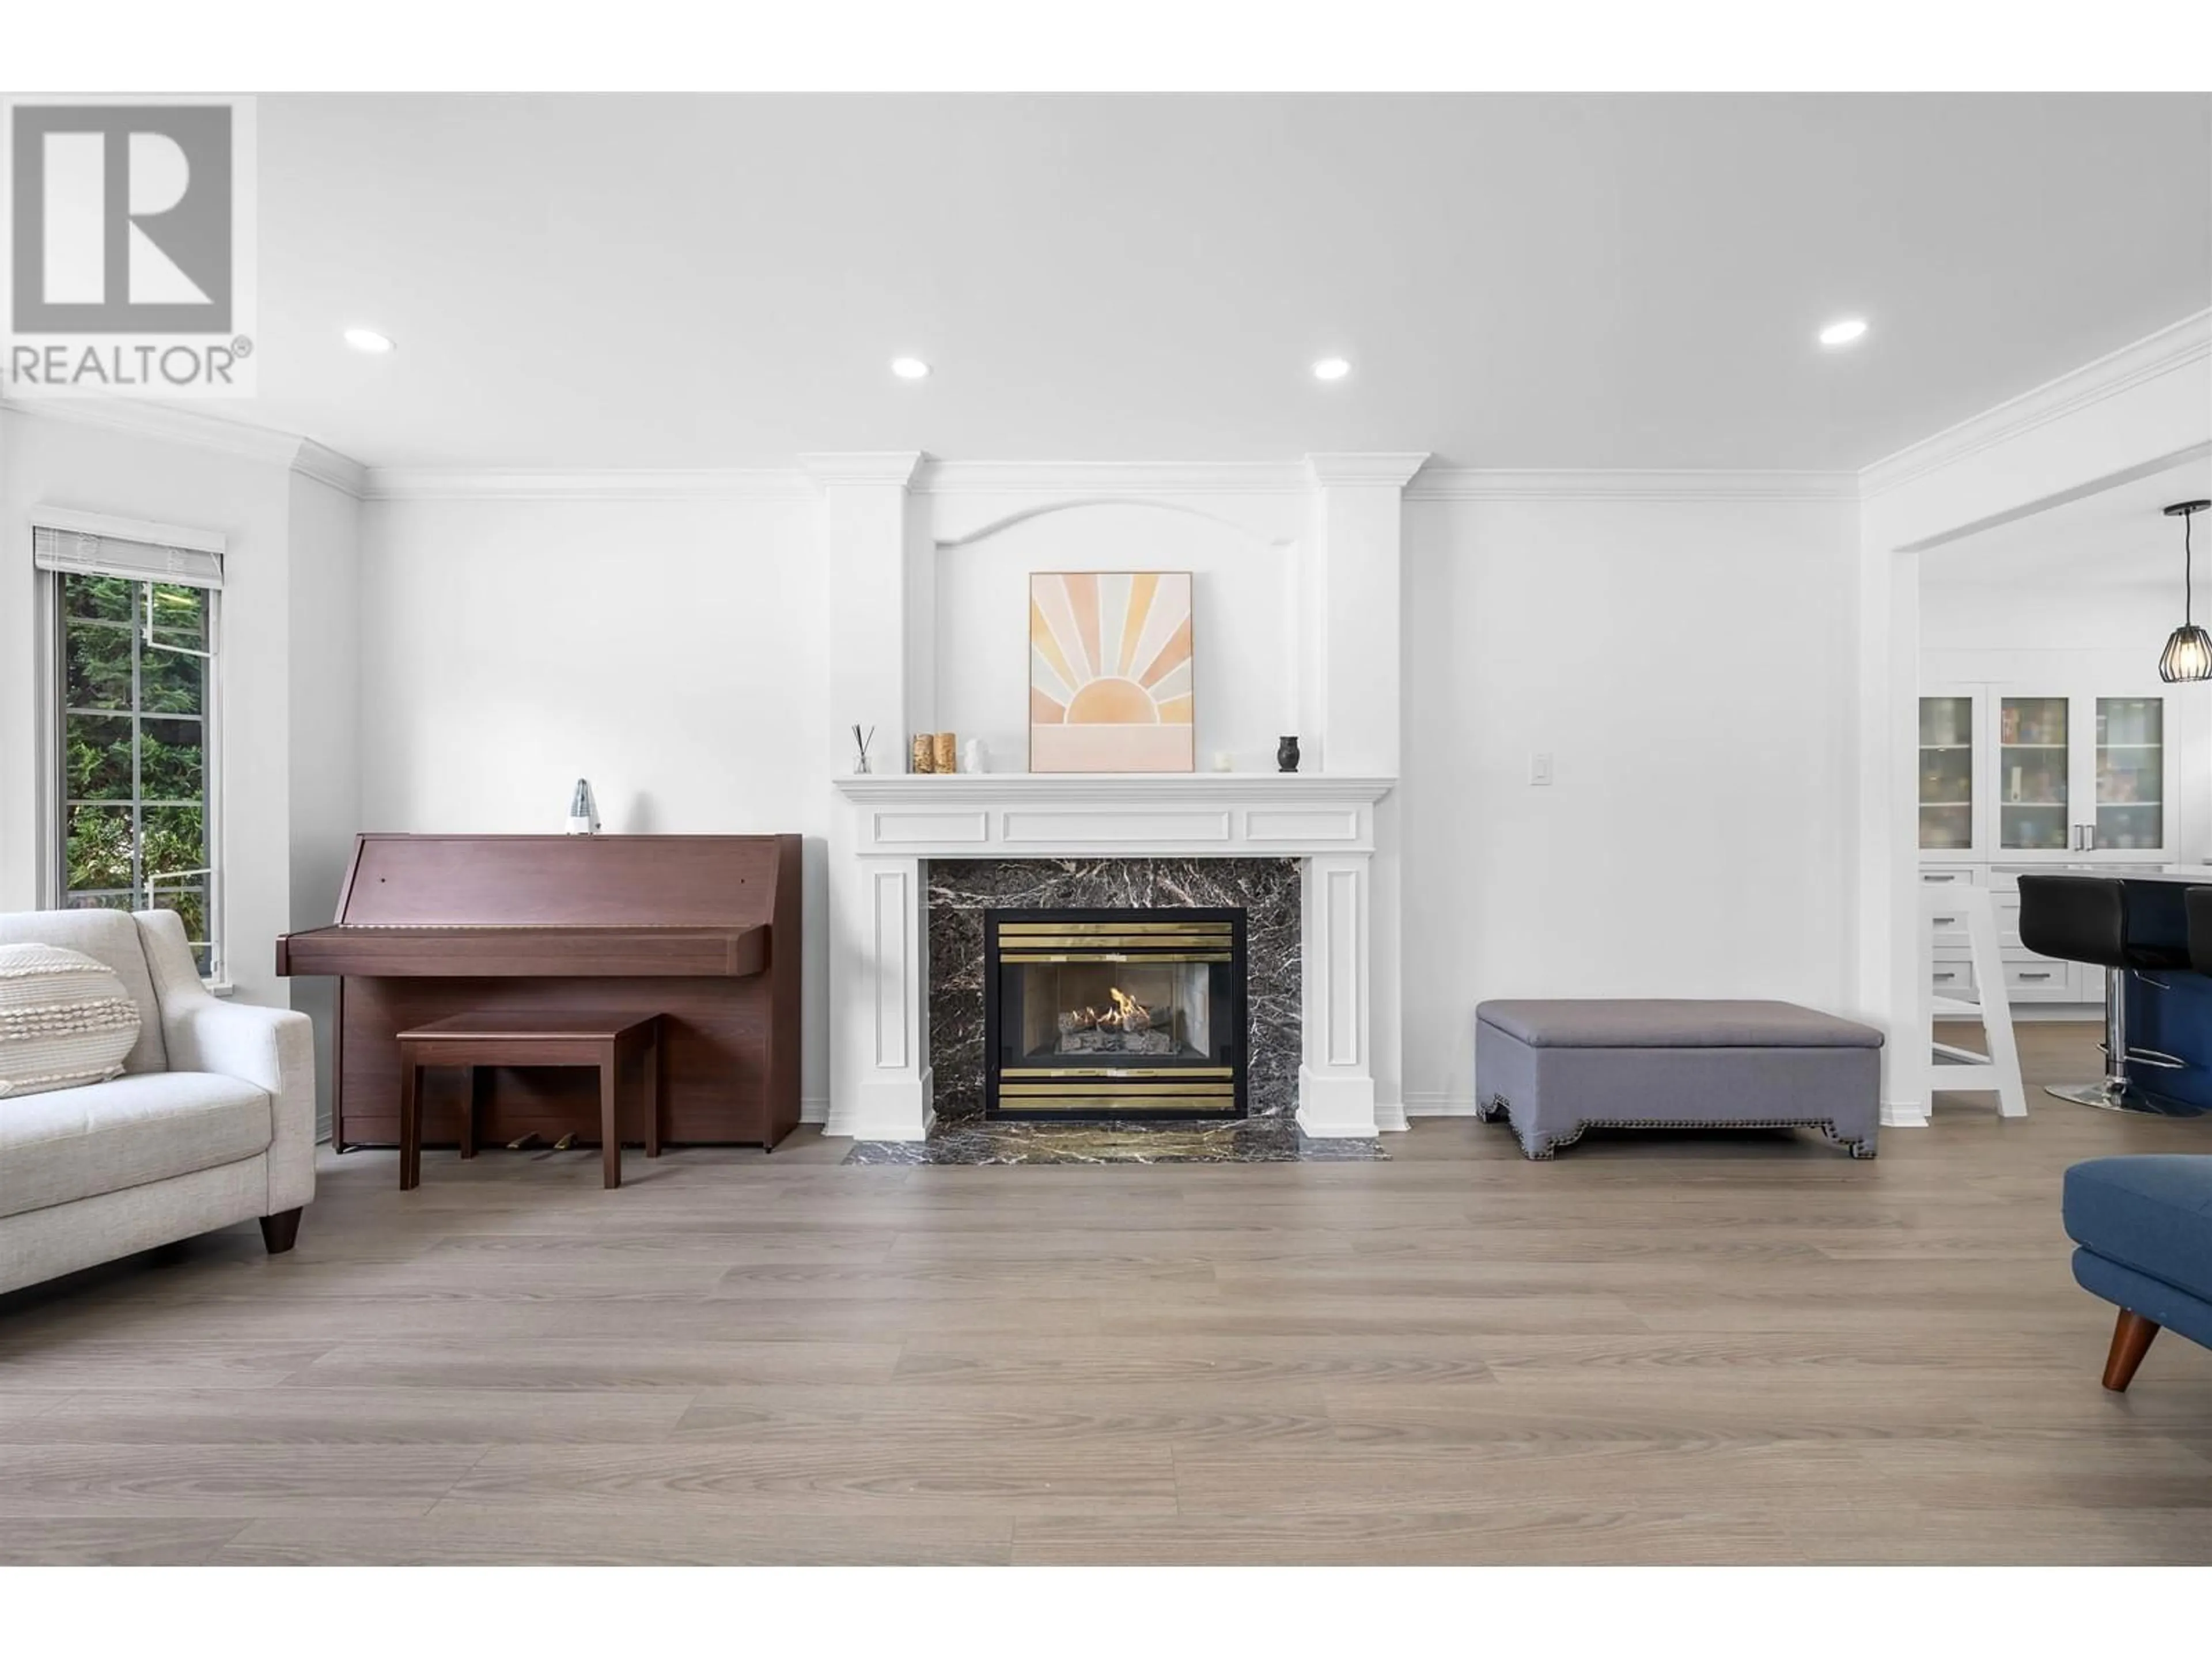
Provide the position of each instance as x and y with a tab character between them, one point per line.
2188	653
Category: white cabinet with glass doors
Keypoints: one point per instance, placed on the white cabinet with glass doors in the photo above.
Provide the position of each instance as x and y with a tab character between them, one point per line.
2024	774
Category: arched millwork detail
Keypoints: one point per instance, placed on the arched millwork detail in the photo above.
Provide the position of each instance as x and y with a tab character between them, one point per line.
1025	514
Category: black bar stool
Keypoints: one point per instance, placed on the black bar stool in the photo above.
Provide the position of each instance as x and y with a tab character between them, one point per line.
2197	903
2085	919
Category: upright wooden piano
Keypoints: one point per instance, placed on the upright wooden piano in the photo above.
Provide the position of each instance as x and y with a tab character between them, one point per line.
704	930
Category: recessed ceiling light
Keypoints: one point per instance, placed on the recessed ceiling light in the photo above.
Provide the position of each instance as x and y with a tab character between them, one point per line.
368	339
909	368
1331	368
1843	333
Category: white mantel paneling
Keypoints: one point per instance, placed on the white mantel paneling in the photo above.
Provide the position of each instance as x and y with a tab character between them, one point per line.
1057	815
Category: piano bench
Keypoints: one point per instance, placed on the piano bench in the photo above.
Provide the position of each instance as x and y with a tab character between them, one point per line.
615	1045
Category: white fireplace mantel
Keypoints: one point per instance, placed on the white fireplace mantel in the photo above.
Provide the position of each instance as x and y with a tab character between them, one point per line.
1314	645
895	825
1065	815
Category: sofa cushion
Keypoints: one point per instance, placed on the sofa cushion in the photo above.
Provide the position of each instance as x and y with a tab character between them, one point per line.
2151	1212
65	1020
110	936
1666	1023
77	1143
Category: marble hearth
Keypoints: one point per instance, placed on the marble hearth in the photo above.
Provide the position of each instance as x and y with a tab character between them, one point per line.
915	860
1254	1140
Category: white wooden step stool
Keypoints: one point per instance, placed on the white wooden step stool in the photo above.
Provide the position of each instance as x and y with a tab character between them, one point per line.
1952	1069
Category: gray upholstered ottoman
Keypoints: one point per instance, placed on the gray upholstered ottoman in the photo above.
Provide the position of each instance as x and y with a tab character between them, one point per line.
1555	1069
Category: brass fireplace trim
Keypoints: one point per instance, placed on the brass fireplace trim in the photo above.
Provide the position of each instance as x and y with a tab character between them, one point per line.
1116	941
1206	1105
1023	1098
1138	1086
1141	1074
1139	958
1108	1081
1019	929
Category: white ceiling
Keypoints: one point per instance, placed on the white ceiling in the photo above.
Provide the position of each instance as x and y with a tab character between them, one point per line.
2118	537
1519	280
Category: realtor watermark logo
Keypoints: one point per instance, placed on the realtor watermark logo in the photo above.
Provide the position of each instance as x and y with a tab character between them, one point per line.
130	268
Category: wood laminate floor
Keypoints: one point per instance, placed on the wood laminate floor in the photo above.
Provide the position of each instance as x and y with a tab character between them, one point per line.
1690	1348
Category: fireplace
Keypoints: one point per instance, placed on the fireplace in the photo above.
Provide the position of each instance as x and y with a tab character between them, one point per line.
1114	1014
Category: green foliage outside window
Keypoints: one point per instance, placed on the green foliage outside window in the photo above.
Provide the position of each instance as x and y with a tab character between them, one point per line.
134	749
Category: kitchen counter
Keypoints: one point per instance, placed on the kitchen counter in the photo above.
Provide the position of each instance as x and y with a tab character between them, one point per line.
2182	875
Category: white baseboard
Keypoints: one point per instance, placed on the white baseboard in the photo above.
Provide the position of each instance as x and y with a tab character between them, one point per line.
1904	1114
1427	1105
814	1108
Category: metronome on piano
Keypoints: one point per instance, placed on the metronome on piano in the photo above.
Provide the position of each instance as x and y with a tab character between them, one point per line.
583	811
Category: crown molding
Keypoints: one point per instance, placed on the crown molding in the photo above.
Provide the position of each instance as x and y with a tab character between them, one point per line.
169	422
1618	484
1110	480
1091	481
404	483
326	465
174	423
2177	346
876	466
1390	468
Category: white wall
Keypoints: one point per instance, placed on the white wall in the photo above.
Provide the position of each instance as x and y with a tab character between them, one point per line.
326	730
671	651
1687	664
1975	625
1243	593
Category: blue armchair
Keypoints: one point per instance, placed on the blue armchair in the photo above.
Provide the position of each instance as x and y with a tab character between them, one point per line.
2144	1226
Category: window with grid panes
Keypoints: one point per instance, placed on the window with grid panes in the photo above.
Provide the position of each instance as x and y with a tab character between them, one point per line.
133	707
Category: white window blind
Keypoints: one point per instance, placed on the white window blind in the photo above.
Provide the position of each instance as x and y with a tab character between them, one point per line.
111	556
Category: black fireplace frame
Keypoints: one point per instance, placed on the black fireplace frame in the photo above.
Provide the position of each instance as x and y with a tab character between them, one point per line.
1228	983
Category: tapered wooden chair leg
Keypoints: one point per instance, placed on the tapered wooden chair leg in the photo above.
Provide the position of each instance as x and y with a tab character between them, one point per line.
2130	1342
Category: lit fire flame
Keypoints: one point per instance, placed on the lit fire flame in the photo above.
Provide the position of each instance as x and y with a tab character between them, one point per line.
1128	1014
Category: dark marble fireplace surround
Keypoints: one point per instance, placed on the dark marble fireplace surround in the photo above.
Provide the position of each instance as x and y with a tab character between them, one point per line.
961	889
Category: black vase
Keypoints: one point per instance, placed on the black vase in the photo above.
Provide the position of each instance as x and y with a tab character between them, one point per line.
1286	755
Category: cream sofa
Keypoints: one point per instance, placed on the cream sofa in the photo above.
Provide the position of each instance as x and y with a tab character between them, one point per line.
213	1120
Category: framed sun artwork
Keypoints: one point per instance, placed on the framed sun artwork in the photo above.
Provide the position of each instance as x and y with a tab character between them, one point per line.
1111	671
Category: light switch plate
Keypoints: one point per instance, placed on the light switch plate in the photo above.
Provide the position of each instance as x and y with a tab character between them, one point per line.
1540	769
